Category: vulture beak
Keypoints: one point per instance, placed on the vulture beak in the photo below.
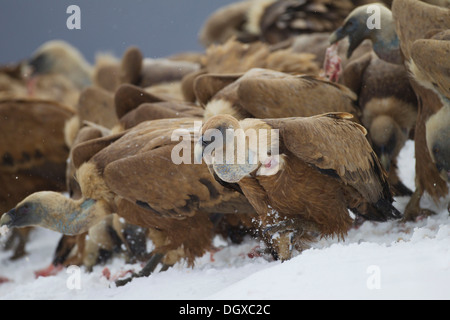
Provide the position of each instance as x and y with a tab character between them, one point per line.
385	161
8	219
337	36
39	64
198	151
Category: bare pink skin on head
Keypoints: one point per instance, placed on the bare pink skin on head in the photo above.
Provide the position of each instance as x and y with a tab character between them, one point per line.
332	64
31	86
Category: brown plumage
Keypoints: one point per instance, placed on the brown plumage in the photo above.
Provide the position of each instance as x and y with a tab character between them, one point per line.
225	23
103	240
32	150
236	57
274	21
134	105
325	167
283	19
423	51
389	108
109	238
263	93
426	51
96	107
110	73
15	84
61	58
158	76
159	110
156	71
132	174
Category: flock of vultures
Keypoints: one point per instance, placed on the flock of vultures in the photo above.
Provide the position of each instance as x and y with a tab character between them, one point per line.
86	150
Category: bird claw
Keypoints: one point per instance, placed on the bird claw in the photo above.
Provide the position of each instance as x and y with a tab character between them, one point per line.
281	238
282	226
289	235
414	212
148	269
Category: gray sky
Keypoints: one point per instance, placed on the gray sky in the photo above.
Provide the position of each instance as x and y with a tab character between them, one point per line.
158	27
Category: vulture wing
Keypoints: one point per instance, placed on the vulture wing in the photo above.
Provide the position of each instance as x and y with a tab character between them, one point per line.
432	59
32	133
139	168
337	147
408	15
293	96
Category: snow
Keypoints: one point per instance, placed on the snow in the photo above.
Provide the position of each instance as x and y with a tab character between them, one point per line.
376	261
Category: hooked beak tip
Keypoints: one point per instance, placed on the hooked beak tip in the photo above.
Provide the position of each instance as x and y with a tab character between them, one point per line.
385	162
336	36
6	220
198	151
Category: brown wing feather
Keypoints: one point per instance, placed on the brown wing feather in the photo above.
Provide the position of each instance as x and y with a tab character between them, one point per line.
33	152
84	151
97	105
432	58
129	97
160	110
408	15
32	132
330	142
290	96
224	23
139	168
353	73
206	86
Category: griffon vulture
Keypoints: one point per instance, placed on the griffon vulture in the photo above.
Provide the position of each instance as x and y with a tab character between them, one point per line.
274	21
424	51
263	93
388	107
59	57
305	180
132	174
32	150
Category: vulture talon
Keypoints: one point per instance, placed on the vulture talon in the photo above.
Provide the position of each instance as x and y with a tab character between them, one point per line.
148	269
413	211
282	226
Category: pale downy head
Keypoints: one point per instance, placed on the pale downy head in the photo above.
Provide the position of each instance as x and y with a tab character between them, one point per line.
54	211
59	57
234	151
374	22
387	138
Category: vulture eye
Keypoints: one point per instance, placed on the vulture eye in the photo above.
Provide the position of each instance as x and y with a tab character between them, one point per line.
25	208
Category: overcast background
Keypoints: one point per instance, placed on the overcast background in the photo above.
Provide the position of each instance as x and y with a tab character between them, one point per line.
158	27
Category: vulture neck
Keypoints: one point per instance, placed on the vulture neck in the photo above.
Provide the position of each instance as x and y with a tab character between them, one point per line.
71	217
386	43
81	78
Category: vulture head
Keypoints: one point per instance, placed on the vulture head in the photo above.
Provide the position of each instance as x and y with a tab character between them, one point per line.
387	138
53	211
59	57
374	22
233	152
438	141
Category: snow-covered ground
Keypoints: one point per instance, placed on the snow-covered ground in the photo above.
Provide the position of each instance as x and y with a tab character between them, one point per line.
377	261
